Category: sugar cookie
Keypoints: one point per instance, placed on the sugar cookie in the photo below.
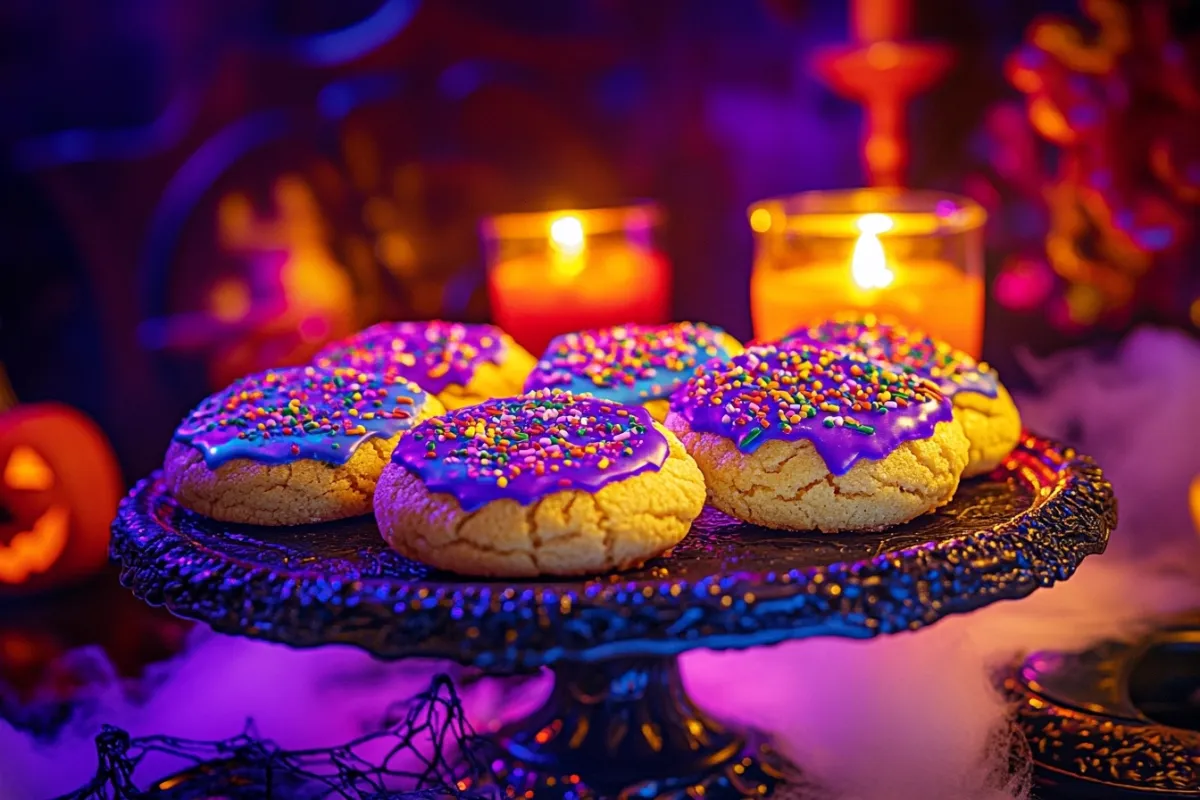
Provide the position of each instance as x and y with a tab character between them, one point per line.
292	446
631	364
462	364
981	404
543	484
809	439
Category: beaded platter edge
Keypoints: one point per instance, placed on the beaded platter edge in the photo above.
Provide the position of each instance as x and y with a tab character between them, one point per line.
505	628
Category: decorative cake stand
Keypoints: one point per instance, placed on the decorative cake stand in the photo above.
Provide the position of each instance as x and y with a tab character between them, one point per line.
618	721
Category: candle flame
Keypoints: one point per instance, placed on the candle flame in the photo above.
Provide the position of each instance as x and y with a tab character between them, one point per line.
566	244
868	265
566	234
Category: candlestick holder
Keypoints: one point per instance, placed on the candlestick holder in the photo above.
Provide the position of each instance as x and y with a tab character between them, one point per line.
883	69
558	271
913	255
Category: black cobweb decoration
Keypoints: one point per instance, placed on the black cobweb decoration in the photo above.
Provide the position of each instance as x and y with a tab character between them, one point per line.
428	749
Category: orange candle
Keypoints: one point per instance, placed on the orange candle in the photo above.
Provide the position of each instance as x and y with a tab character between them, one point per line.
916	256
551	273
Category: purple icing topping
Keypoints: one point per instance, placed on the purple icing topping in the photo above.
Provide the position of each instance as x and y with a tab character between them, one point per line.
952	370
523	448
849	406
628	363
434	355
284	415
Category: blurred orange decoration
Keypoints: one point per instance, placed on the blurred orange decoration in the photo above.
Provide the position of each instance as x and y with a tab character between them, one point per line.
884	72
297	297
560	271
59	486
291	296
1121	108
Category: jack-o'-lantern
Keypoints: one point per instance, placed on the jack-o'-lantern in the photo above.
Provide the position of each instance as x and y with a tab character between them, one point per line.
59	487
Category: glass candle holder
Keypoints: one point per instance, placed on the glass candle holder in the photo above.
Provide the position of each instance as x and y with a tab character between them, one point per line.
913	255
559	271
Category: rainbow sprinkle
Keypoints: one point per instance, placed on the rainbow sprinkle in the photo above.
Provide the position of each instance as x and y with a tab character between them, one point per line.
300	413
434	355
628	363
529	446
847	405
953	370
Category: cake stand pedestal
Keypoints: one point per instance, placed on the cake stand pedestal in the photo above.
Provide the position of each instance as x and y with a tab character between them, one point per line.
618	722
625	727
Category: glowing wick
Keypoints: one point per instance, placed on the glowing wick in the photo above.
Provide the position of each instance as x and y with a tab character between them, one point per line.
868	266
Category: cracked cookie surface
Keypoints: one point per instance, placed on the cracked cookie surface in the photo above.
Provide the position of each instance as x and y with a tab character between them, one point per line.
803	438
463	364
291	446
543	484
787	484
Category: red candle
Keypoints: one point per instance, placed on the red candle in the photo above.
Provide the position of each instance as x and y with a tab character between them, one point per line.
555	272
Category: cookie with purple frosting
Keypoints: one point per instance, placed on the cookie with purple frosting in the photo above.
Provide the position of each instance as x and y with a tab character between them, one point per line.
547	483
292	446
808	439
462	364
982	405
631	364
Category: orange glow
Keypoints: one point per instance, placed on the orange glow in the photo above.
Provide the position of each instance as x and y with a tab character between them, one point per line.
1081	53
1050	122
652	736
37	549
397	253
884	55
229	300
760	220
27	470
1084	304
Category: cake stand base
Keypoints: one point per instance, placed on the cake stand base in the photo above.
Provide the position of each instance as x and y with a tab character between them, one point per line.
626	728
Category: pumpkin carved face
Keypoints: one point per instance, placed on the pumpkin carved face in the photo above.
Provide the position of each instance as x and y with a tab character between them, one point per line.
59	488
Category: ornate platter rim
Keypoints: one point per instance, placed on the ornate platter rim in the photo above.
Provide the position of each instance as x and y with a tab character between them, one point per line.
504	629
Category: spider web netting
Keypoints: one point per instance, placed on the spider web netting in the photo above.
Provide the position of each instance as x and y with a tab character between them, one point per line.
427	749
